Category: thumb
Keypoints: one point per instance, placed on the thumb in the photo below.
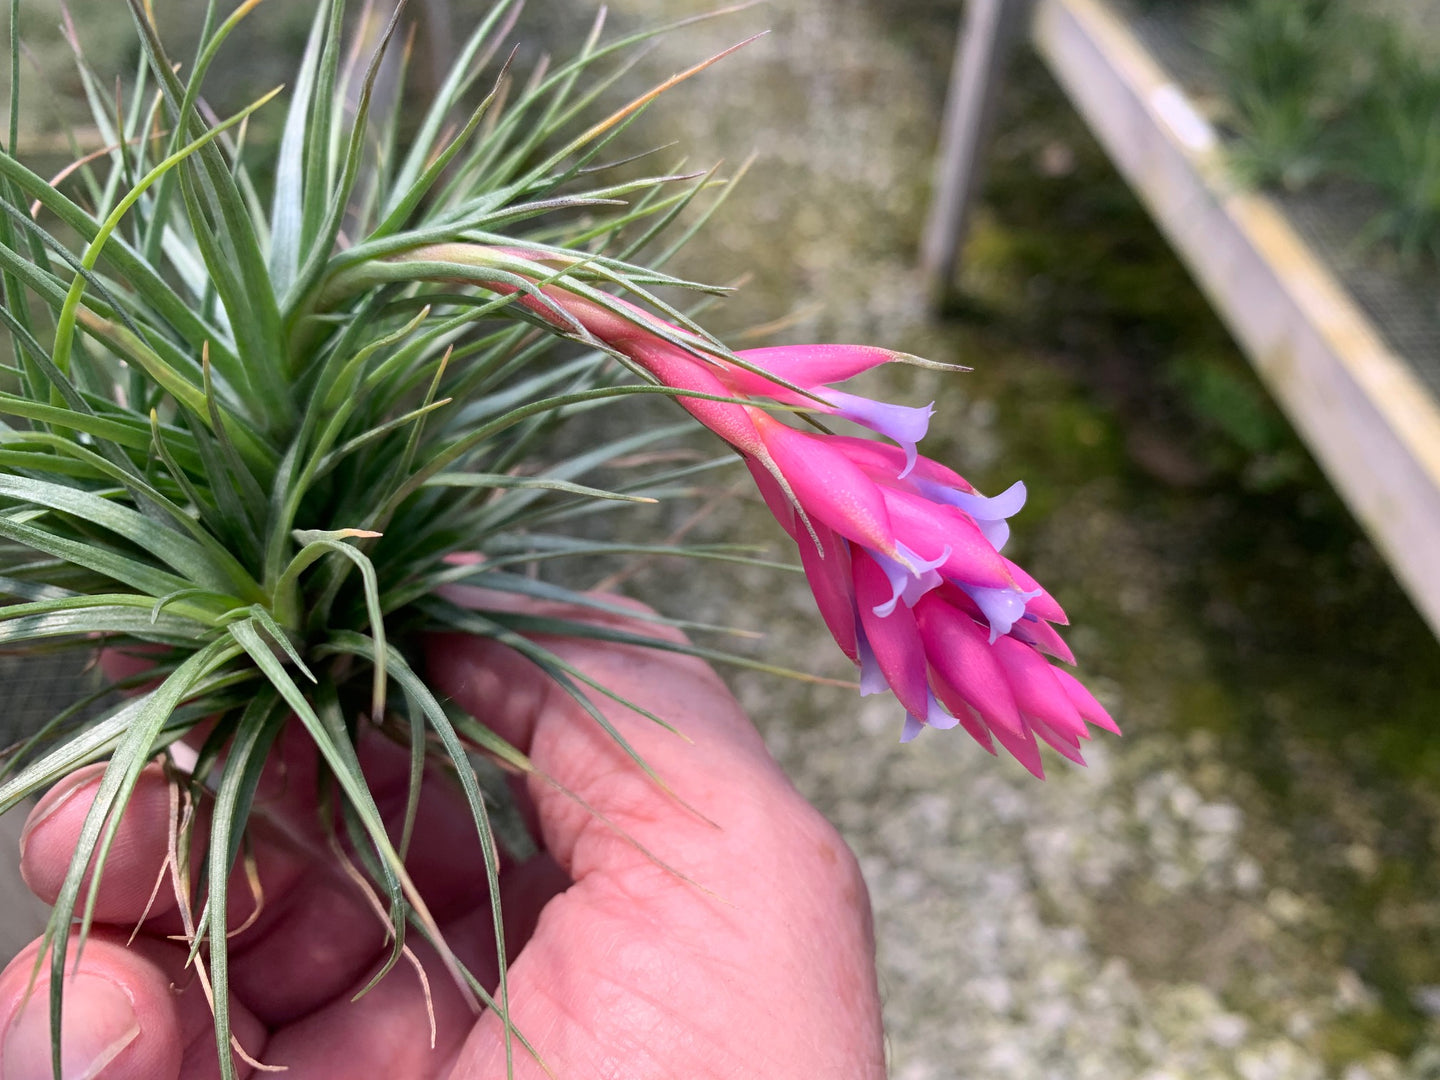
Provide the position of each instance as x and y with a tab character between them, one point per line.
118	1019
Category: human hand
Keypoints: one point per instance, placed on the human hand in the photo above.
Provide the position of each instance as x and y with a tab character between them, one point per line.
761	965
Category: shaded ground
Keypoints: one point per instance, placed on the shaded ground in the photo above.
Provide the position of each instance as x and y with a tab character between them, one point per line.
1245	884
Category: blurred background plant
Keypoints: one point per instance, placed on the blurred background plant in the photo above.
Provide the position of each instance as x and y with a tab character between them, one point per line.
1322	90
1395	136
1285	68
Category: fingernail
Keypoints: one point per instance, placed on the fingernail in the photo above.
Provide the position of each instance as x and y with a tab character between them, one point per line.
97	1023
53	800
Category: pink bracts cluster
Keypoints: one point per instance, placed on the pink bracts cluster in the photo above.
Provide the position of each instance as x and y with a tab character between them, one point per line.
902	554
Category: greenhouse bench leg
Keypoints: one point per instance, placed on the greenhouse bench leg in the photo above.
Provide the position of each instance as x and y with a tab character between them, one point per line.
988	33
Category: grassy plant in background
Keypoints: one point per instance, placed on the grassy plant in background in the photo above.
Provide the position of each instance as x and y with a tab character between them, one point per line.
1317	88
256	424
1284	67
1396	148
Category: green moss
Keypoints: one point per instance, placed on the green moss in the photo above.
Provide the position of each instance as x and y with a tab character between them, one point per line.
1359	1035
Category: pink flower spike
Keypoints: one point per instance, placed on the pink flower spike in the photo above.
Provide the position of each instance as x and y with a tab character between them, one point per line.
1043	636
886	462
775	499
975	727
965	648
733	423
966	715
1023	749
829	576
928	526
1038	692
1067	747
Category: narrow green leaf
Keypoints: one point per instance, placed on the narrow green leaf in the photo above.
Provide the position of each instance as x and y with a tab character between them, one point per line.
473	58
254	735
411	198
419	694
200	565
131	433
85	747
285	587
529	483
231	246
61	350
288	208
95	557
97	832
319	246
128	265
346	772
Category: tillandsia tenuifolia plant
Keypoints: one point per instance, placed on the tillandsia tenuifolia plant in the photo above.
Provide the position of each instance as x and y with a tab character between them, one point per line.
1396	146
254	441
1283	64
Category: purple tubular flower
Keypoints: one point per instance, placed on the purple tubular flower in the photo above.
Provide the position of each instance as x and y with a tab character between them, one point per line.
906	425
988	513
1002	608
911	579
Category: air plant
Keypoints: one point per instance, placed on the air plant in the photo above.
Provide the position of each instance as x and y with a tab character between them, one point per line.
1396	148
1281	64
252	443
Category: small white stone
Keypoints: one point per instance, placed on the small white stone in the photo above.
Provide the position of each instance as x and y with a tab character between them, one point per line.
1248	874
1227	1030
1351	993
1427	1000
1218	818
1285	906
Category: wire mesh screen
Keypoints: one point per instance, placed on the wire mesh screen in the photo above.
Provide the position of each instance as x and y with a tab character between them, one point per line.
33	689
36	688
